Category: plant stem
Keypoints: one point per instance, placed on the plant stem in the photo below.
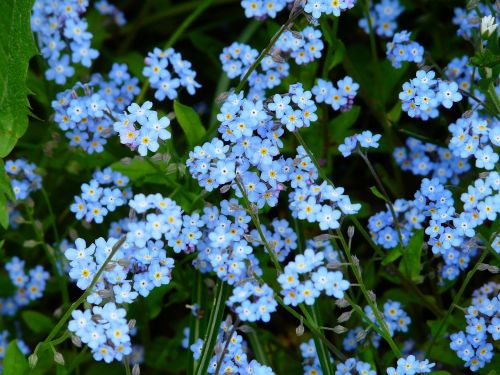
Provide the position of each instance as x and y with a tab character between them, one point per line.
212	332
357	274
266	50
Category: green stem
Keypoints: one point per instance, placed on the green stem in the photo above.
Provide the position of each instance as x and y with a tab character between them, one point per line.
214	322
457	298
257	348
194	321
82	298
357	274
266	50
387	200
126	364
175	36
323	355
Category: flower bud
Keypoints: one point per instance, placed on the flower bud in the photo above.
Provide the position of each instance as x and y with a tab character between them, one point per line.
59	359
136	370
488	26
33	360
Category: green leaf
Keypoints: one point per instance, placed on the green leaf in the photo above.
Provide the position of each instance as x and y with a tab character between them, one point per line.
6	192
337	57
410	264
340	125
190	123
14	362
37	322
391	256
16	49
378	194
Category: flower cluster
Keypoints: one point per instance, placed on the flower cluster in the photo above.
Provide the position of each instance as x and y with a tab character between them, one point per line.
429	160
105	192
263	8
85	112
316	8
219	238
422	95
104	329
476	136
62	34
281	239
253	302
23	178
466	20
307	276
382	18
304	46
235	360
141	129
460	71
360	142
403	49
105	8
29	287
167	72
340	97
475	345
451	234
410	366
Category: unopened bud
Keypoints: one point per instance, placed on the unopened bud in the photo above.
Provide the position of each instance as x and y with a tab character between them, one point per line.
33	360
350	231
338	329
245	328
57	312
131	323
372	295
468	113
342	303
221	98
299	331
126	161
97	318
225	188
488	267
360	335
355	260
323	237
59	359
136	370
38	225
104	293
345	316
218	348
76	341
30	243
110	266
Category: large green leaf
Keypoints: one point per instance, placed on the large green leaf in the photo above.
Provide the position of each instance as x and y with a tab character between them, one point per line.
16	49
410	263
14	362
37	322
190	123
6	192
